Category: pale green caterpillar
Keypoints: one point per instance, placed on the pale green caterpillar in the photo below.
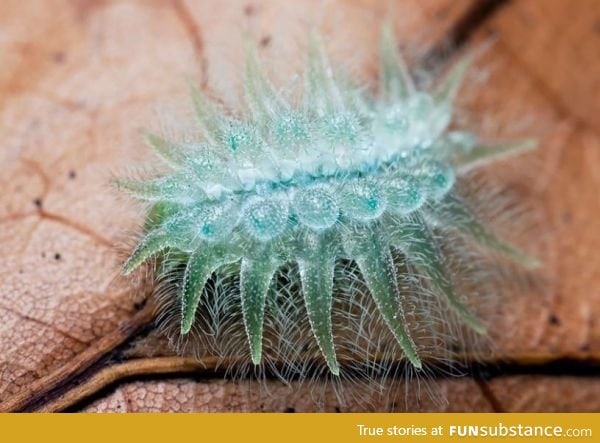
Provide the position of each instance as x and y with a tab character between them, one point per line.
330	225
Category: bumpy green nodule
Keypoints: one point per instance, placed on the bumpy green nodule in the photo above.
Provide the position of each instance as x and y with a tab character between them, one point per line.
338	175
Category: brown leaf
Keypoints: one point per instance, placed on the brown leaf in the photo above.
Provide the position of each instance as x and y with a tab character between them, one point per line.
184	395
70	110
77	84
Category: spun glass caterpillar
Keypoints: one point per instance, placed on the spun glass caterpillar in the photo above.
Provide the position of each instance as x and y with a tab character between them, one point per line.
325	227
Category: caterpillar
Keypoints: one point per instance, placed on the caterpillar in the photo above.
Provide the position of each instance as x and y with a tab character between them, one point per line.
326	229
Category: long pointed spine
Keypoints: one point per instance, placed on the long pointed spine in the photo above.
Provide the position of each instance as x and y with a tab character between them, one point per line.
457	214
255	278
395	81
420	246
158	189
207	115
316	274
446	92
260	94
201	264
480	155
172	153
375	261
323	92
155	242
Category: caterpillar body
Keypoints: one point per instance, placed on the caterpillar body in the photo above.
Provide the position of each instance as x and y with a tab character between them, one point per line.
327	228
